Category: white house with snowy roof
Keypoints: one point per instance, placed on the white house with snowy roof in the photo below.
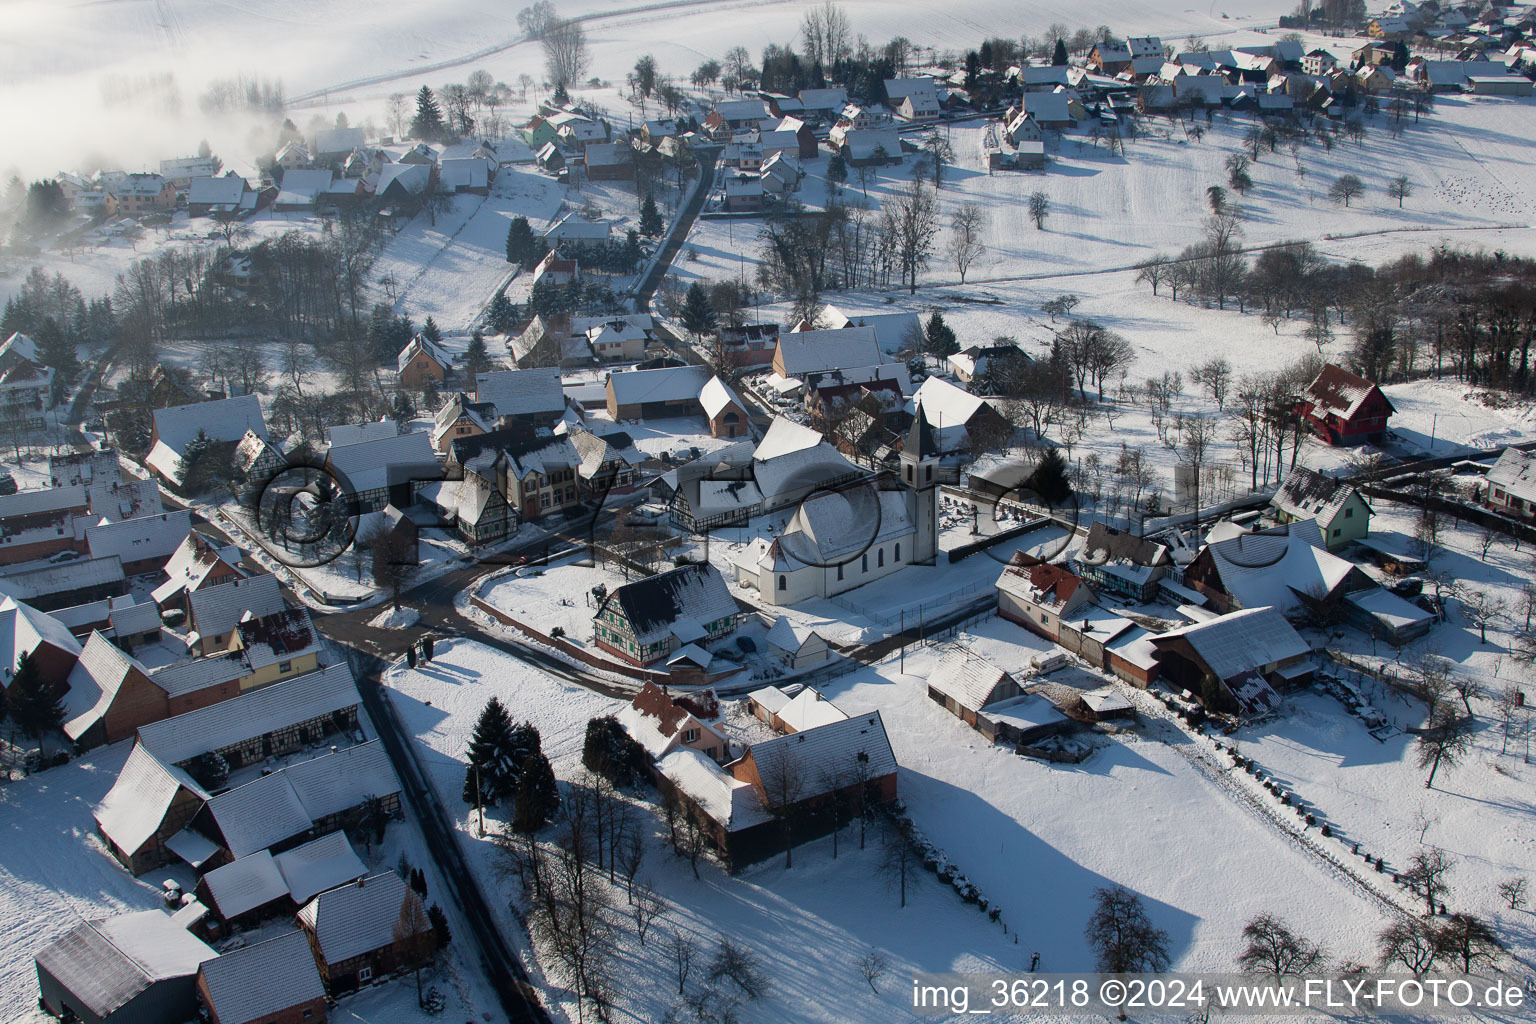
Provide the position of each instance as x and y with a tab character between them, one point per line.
224	420
839	539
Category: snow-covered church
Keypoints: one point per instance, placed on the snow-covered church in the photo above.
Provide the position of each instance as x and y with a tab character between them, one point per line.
844	538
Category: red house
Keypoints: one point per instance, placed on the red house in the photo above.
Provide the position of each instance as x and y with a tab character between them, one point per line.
1344	409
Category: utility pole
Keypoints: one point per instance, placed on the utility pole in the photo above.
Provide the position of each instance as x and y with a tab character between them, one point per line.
479	804
903	641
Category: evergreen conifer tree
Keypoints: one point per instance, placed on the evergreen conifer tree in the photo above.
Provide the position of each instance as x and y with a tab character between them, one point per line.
488	745
538	795
431	332
940	337
477	359
651	223
427	125
35	704
698	314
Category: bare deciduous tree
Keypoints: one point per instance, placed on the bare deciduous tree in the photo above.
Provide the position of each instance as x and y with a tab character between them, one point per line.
1410	942
1512	891
872	966
679	951
565	52
1123	937
1426	875
1444	742
965	229
1274	949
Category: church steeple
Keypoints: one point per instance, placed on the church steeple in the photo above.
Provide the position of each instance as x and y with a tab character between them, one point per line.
919	462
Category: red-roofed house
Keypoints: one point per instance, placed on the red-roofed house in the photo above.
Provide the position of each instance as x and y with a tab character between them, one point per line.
1038	595
1344	409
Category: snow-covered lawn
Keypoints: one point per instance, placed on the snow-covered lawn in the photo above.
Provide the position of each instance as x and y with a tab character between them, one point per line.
554	597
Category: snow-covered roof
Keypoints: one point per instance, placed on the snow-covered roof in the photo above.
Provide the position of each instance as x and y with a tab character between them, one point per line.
571	228
785	437
371	465
217	610
948	406
137	802
805	352
81	574
1389	609
1135	646
967	677
243	885
1240	642
691	591
141	539
1106	545
411	178
1308	494
94	682
105	964
225	419
528	392
1515	471
318	865
808	709
125	499
717	396
252	714
691	654
421	345
834	526
23	629
358	918
1105	700
865	143
789	635
259	981
43	501
823	753
1039	583
770	698
286	803
1025	712
735	805
666	384
1271	567
224	190
356	433
1335	390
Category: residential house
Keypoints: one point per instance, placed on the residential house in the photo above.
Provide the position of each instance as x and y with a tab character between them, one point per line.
824	103
781	173
608	463
228	195
355	931
144	544
26	383
216	610
959	418
295	803
248	728
224	422
573	232
121	970
661	724
964	682
732	115
797	644
978	361
1055	111
1511	486
404	183
1236	660
531	396
1286	567
743	193
1344	409
341	434
474	506
1335	504
144	193
723	408
466	176
274	981
1319	62
538	473
556	271
384	472
618	340
1119	562
291	155
461	417
913	99
302	189
645	621
810	351
25	630
871	147
422	360
806	144
750	345
180	171
1038	595
66	584
553	341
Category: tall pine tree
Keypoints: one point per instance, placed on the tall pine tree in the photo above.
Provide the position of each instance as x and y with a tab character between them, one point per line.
477	359
57	350
538	795
427	125
520	242
940	337
698	314
431	331
487	746
501	315
35	703
1059	55
651	223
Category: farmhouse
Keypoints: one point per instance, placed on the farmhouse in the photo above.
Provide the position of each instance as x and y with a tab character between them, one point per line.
223	421
271	982
644	621
144	544
421	361
661	725
26	631
1344	409
381	472
1119	562
1286	567
1511	486
1235	660
530	396
1336	505
1038	596
142	817
353	930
